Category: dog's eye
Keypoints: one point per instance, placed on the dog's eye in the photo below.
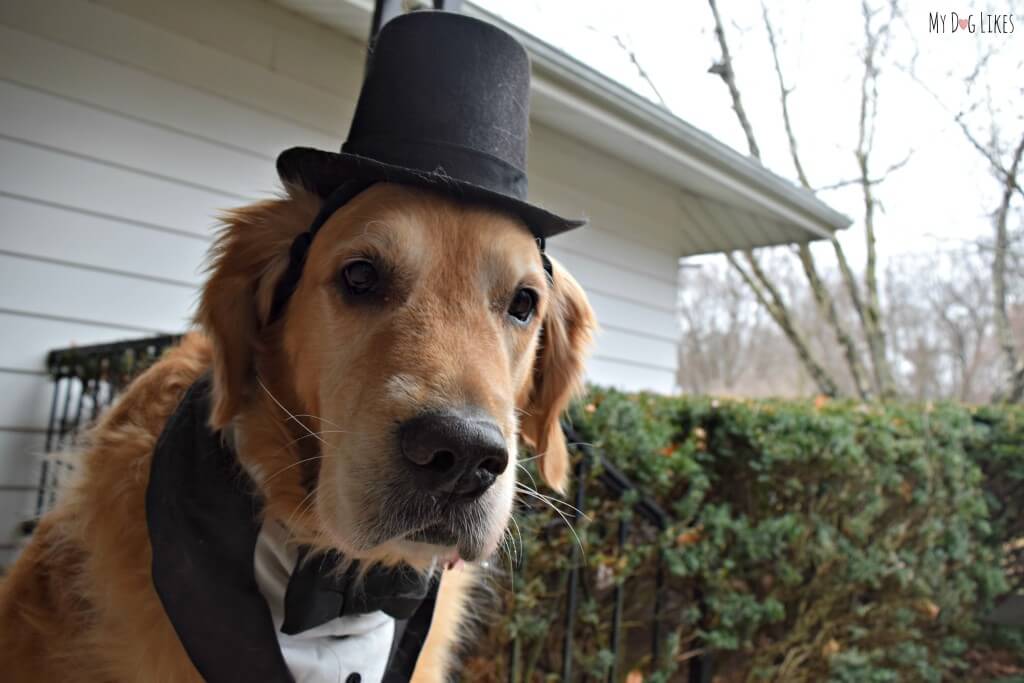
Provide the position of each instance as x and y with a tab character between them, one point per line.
523	304
360	277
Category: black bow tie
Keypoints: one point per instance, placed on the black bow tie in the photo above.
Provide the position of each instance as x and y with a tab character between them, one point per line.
318	591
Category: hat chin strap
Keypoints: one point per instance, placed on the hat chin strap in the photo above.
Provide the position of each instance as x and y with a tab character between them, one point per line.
300	245
299	250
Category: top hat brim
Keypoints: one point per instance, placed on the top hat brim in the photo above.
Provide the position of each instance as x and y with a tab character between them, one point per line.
322	172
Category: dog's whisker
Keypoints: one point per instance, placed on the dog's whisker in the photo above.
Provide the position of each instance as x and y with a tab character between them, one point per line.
286	411
550	500
516	549
316	417
511	562
509	551
562	515
508	543
281	471
528	473
519	531
299	508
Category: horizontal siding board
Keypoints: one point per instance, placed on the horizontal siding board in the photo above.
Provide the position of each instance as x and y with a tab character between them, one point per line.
120	89
25	339
44	231
605	245
20	457
24	400
605	277
43	174
623	345
20	454
15	508
213	24
63	291
108	33
629	377
261	33
612	310
32	116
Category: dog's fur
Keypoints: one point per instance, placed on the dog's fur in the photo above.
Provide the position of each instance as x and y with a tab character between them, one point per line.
309	404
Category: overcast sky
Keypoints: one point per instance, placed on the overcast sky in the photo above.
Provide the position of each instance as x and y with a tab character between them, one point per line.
944	193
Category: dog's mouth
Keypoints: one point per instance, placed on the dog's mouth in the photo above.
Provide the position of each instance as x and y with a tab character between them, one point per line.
436	534
462	527
455	527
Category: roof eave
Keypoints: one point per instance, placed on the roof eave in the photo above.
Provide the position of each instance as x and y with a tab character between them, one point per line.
664	133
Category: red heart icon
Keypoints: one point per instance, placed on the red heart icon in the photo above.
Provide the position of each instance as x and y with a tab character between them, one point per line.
963	24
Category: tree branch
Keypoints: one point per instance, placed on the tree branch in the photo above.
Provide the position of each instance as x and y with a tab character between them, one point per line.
640	69
827	308
784	93
872	181
771	300
871	317
724	69
822	297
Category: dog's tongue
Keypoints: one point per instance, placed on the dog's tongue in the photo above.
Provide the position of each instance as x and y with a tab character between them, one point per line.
454	562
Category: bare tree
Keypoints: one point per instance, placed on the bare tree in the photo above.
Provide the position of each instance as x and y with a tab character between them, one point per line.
941	317
729	344
939	314
1004	160
1013	386
865	303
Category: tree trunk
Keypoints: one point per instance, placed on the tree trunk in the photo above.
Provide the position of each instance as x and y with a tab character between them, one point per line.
1014	383
827	308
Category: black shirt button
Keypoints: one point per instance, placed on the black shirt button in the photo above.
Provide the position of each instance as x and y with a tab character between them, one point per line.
353	678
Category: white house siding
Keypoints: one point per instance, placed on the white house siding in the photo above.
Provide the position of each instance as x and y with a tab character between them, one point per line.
125	125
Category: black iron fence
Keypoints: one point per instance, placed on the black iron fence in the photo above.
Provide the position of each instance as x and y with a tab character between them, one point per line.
88	379
85	380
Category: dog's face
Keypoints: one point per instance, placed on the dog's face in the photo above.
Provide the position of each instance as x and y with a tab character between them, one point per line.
423	338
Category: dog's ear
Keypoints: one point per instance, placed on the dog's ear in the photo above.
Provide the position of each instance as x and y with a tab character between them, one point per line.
246	261
568	329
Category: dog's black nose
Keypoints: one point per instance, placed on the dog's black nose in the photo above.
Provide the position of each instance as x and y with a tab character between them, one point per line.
449	453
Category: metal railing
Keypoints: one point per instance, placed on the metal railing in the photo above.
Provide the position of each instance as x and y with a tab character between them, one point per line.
87	380
614	483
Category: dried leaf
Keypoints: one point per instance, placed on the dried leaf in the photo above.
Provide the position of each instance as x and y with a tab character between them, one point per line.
928	609
690	536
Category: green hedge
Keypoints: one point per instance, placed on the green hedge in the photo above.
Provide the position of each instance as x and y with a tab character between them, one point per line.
810	541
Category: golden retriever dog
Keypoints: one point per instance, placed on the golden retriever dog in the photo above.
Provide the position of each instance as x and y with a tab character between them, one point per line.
410	306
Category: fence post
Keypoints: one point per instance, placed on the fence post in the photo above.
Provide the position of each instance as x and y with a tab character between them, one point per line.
571	602
617	613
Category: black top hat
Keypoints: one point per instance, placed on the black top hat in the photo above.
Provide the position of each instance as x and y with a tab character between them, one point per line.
445	104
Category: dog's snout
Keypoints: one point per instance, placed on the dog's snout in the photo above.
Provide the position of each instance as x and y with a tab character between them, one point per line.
453	454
